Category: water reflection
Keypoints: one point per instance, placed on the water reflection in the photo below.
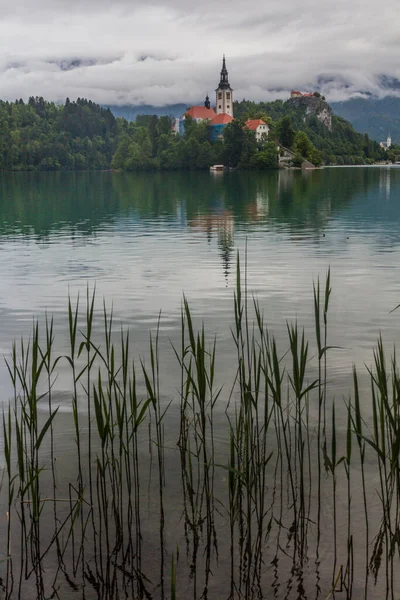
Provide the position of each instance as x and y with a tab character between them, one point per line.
144	239
76	204
40	203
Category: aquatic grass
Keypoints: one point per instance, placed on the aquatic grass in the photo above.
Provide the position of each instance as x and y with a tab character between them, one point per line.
357	425
250	508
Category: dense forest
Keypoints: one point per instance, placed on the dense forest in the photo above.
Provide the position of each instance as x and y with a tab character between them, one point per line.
342	145
44	136
81	135
148	143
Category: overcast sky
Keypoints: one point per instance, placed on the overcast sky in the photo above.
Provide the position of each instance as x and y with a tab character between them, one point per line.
169	51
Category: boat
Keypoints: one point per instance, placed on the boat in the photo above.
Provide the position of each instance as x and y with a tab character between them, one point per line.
217	168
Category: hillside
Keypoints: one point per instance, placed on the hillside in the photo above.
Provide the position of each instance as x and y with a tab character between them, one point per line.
333	136
377	117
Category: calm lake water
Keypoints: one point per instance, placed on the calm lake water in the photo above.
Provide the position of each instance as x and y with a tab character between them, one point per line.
143	240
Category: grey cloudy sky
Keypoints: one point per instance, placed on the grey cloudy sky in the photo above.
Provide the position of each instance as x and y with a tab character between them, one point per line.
169	51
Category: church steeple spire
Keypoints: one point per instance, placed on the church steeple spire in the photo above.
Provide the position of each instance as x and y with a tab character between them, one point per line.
224	83
224	96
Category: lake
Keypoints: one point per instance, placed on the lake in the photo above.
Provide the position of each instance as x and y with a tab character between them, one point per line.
141	241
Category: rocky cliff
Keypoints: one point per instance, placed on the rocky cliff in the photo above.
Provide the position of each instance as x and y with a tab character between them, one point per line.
313	106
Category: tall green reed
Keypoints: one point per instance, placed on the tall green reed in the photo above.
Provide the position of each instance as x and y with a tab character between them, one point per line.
267	513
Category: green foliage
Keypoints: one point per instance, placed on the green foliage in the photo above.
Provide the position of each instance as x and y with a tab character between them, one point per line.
233	140
285	132
304	148
266	158
341	145
239	146
393	154
297	160
41	136
150	144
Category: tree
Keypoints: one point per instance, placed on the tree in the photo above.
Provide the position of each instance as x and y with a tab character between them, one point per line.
233	135
297	160
302	144
249	149
285	132
266	158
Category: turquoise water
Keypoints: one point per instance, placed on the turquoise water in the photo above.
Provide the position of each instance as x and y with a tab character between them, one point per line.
142	240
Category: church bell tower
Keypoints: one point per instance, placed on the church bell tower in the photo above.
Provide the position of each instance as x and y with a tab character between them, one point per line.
224	96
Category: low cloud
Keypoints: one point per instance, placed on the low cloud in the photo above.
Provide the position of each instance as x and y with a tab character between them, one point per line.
162	53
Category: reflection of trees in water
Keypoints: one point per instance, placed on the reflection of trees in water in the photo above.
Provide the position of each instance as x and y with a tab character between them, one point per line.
42	203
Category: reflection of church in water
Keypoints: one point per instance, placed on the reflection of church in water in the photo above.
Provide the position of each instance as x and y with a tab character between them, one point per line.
384	183
221	223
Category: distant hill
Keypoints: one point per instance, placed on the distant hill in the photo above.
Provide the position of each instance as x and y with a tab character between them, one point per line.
377	117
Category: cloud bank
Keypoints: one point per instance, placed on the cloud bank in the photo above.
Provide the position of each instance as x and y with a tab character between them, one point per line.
163	53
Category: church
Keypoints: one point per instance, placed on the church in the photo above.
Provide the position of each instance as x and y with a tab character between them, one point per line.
217	118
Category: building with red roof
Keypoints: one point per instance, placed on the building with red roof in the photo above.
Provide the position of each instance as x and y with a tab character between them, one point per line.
197	113
259	127
217	125
221	119
297	94
223	108
200	113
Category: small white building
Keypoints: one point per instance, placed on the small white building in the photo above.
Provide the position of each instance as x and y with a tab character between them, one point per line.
386	145
259	127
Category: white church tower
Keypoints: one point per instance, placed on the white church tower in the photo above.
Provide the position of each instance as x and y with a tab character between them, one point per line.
224	96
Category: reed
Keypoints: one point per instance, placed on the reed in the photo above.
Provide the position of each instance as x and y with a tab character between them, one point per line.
251	510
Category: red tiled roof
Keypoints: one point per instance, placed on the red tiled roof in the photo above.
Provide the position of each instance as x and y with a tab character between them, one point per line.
200	112
254	123
221	119
303	94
